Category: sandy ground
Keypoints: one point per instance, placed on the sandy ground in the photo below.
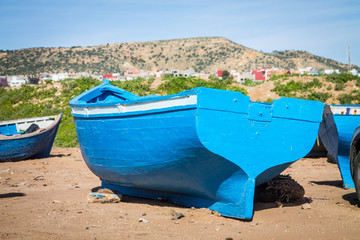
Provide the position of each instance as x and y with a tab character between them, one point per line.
47	199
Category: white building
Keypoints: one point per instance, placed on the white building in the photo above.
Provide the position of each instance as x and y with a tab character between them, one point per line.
331	71
354	72
241	77
183	73
305	70
59	76
15	81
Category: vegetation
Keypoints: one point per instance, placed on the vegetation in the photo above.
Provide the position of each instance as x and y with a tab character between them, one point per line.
290	89
173	85
251	83
341	78
50	99
350	98
44	100
302	90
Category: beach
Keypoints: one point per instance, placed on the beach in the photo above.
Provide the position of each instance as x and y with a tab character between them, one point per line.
48	199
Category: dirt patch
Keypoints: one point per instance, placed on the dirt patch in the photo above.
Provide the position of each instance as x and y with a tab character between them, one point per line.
47	198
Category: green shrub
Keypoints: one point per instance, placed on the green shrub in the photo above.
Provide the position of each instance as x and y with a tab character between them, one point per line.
318	96
339	86
251	83
341	78
269	100
358	82
292	88
345	98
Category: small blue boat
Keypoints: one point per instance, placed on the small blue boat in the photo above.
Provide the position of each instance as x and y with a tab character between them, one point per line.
347	119
201	147
27	138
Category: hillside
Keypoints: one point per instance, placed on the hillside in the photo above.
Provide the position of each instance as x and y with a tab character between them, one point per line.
53	98
201	54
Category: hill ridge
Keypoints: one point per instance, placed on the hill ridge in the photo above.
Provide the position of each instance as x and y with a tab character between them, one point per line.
203	54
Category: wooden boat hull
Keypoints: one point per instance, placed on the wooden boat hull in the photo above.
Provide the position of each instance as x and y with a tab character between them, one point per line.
202	148
347	119
326	144
33	145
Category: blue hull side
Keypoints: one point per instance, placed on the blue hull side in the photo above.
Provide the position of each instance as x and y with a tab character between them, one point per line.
212	155
32	146
346	125
155	156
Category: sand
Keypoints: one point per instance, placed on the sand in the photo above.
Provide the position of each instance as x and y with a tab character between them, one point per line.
47	199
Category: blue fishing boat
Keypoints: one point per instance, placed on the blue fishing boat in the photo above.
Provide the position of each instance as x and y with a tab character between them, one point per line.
347	119
201	147
27	138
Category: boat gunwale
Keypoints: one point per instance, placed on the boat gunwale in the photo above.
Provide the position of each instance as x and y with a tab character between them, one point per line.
135	113
169	109
150	98
36	133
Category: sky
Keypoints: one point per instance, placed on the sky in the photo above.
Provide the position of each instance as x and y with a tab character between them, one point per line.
322	27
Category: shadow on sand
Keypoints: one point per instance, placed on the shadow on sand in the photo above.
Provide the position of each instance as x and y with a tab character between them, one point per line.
60	155
335	183
12	194
352	199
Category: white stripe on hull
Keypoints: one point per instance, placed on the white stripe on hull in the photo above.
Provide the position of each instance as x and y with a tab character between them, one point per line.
137	107
352	110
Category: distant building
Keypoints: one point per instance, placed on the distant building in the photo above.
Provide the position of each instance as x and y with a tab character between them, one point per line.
306	70
314	72
354	72
183	73
3	82
331	71
243	76
110	77
16	81
59	76
260	74
32	80
133	74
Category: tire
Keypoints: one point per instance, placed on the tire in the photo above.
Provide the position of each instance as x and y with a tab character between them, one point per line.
356	174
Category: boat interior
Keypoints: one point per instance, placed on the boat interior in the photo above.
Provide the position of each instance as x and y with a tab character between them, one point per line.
24	126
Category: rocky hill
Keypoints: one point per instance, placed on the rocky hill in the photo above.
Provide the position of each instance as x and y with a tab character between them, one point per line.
201	54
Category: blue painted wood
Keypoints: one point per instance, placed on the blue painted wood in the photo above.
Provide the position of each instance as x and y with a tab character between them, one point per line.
32	145
346	125
8	129
210	154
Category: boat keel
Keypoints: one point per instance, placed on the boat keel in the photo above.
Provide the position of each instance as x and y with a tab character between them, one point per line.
344	166
234	200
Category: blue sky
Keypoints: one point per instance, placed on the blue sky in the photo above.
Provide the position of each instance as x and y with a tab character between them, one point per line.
322	27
